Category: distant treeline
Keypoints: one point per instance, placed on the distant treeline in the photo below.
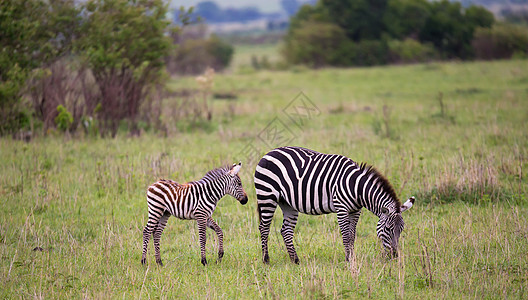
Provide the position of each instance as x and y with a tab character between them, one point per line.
210	12
373	32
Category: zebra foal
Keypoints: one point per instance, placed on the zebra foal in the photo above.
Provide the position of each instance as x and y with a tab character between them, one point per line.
195	200
306	181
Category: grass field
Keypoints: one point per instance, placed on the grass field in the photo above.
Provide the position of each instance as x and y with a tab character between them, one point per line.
243	54
452	134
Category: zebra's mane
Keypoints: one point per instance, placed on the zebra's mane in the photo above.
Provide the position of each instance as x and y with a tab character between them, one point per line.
214	174
383	182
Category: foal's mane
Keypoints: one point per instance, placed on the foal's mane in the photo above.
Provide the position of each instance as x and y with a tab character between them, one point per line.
215	173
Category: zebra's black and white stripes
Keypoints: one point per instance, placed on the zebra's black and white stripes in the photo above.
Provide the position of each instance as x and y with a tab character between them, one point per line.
306	181
191	201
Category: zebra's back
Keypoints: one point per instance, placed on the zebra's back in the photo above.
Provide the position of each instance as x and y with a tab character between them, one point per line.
303	178
167	195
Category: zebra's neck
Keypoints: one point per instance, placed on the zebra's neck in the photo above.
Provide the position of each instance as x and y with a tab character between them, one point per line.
211	189
371	190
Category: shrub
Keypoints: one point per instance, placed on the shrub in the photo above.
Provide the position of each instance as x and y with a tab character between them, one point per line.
64	119
315	44
410	51
367	53
221	52
194	56
500	41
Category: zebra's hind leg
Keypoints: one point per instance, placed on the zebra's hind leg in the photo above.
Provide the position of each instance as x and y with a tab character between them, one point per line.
212	224
152	223
202	226
157	236
288	225
266	209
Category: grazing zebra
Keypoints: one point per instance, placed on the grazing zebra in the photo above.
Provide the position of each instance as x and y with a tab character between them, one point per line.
191	201
306	181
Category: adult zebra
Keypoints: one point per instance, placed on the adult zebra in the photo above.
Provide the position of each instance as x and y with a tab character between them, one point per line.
191	201
306	181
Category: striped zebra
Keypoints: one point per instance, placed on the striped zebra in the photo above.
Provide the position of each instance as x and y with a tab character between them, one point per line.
191	201
306	181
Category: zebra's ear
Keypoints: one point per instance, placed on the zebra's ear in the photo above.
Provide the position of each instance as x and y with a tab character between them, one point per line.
408	204
235	169
384	210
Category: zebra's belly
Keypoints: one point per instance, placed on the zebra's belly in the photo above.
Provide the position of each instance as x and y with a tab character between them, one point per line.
181	214
313	206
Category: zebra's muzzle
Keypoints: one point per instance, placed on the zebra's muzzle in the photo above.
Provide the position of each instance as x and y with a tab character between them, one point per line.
244	200
391	253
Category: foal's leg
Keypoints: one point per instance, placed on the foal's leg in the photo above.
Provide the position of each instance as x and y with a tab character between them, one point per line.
157	236
202	226
152	223
212	224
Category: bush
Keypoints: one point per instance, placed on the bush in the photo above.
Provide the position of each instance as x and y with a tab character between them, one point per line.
194	56
318	44
221	52
64	119
410	51
315	44
500	41
368	53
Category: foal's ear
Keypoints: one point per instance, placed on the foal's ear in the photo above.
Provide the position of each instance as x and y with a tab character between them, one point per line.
235	169
408	204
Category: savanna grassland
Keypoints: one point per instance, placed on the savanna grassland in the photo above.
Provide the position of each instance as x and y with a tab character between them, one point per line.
452	134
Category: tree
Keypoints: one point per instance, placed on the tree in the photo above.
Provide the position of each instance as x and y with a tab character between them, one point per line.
124	43
21	41
450	28
35	34
478	16
315	44
406	18
361	19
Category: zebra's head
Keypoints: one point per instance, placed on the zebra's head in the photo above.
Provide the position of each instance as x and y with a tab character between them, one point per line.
234	184
390	226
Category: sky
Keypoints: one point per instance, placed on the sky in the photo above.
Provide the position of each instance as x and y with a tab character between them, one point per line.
265	6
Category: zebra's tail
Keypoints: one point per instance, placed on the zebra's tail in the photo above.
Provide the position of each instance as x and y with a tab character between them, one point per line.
259	214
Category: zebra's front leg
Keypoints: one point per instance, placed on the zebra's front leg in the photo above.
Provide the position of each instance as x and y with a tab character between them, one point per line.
212	224
157	236
288	226
343	219
202	222
353	220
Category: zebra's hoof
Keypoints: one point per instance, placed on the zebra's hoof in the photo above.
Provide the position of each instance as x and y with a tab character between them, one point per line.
143	261
204	261
295	260
266	259
160	263
220	255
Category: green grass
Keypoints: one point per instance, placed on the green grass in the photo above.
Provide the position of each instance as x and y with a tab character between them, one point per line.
83	200
243	53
